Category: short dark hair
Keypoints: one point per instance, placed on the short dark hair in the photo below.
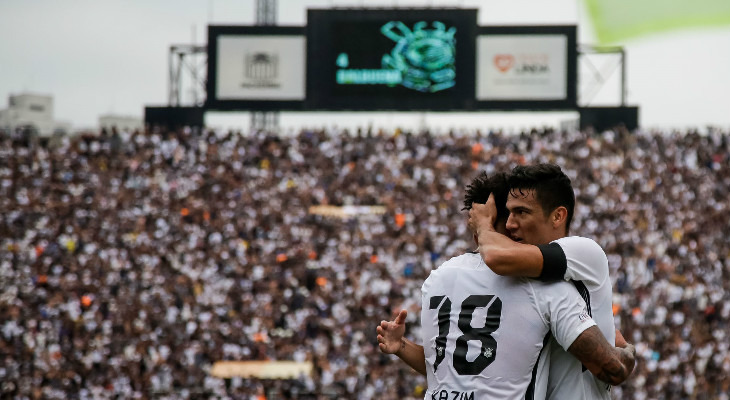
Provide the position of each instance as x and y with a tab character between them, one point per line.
482	186
552	187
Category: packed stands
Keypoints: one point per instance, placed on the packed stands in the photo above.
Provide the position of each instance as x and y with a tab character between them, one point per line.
131	262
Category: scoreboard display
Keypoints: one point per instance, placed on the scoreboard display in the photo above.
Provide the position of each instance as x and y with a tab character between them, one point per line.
391	59
398	59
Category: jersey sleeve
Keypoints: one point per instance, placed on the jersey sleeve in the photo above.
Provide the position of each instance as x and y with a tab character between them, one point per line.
564	310
574	258
427	285
430	281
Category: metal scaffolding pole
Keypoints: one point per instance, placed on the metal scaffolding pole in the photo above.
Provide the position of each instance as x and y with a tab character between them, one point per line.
265	12
193	60
601	73
265	16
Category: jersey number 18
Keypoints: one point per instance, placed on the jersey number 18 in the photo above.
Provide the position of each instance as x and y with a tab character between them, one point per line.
488	350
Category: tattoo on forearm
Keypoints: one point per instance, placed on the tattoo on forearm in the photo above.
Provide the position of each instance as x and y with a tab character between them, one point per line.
612	368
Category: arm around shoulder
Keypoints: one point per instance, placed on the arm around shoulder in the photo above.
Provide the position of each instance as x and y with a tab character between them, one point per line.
509	258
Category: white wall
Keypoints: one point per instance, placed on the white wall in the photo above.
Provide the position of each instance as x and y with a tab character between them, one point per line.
29	109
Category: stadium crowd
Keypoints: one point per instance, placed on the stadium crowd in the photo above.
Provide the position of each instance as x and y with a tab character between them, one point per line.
130	262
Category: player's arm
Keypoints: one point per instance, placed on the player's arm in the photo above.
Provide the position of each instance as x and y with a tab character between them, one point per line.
567	258
608	363
392	341
575	330
413	355
501	254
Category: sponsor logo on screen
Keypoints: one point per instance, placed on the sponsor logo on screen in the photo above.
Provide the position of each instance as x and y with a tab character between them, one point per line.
261	70
522	67
523	64
504	62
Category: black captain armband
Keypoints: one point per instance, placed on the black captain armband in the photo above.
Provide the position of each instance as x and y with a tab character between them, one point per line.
554	263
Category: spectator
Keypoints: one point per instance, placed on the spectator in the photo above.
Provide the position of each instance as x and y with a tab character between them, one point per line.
131	262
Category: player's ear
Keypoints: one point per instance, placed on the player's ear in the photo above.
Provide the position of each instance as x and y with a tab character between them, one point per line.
559	216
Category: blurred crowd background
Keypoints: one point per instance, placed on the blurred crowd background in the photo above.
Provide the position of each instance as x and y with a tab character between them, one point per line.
131	261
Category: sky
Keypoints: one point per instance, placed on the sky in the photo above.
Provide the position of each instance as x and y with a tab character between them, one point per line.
111	57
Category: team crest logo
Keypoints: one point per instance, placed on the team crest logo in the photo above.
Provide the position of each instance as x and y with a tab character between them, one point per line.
426	58
261	70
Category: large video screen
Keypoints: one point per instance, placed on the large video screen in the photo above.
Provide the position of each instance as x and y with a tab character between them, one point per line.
396	59
261	67
392	59
526	67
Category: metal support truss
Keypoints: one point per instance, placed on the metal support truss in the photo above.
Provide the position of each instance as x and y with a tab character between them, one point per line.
265	12
187	74
599	74
265	16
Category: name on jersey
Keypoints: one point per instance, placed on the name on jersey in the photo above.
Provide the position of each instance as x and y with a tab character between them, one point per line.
451	395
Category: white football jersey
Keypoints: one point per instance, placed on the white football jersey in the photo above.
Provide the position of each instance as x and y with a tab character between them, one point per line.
483	333
584	264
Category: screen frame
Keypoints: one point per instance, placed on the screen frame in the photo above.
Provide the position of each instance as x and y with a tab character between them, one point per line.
212	102
313	101
319	22
571	100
